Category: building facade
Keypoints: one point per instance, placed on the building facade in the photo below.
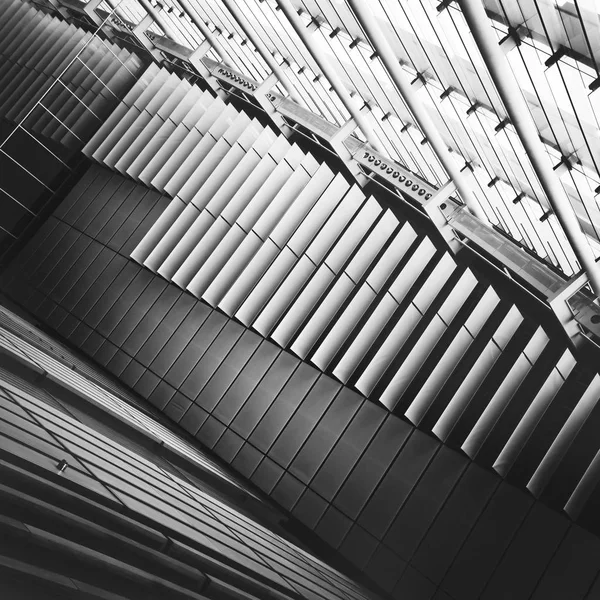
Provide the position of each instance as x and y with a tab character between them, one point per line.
259	248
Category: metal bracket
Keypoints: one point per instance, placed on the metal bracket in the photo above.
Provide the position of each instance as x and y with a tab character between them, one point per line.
510	41
336	142
264	98
266	85
436	208
195	59
419	81
199	52
563	166
315	23
559	303
142	25
139	33
571	287
562	51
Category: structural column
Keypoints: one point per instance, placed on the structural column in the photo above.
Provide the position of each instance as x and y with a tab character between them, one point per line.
377	39
330	73
521	118
139	32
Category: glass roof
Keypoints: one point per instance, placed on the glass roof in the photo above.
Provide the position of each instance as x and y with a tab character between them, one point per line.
553	49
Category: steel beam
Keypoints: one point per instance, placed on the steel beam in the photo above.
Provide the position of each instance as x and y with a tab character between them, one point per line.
521	118
401	80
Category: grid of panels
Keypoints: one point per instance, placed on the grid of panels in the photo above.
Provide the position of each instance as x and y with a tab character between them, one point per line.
374	359
414	515
273	417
